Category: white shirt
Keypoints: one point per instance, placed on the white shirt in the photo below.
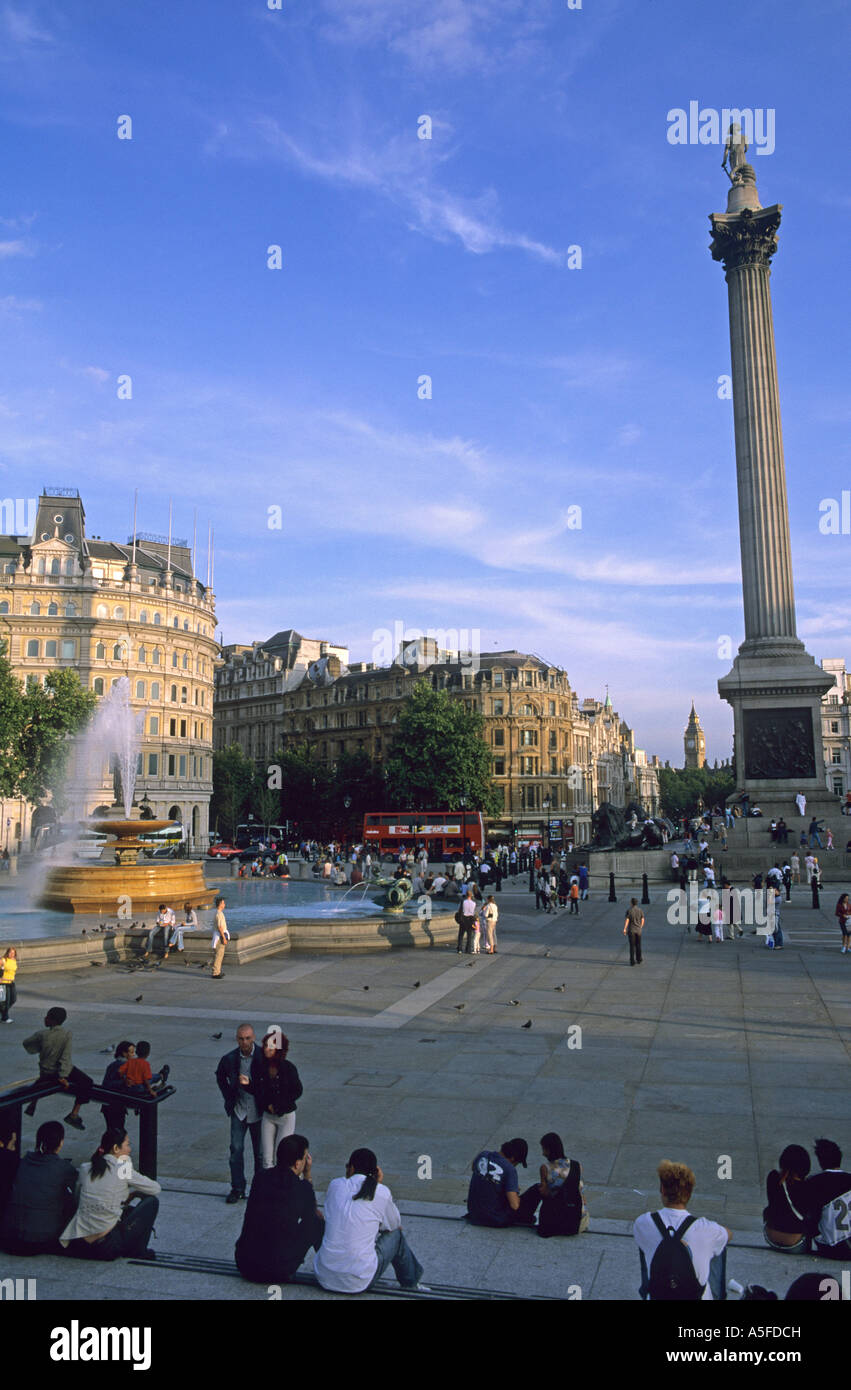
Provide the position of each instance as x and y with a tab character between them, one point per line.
704	1239
346	1261
220	927
102	1199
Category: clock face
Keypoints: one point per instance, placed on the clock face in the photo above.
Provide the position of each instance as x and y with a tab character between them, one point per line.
689	743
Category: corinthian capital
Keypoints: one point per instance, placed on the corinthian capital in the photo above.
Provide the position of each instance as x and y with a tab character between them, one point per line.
745	238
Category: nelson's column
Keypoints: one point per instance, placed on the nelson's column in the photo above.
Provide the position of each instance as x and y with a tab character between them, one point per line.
775	686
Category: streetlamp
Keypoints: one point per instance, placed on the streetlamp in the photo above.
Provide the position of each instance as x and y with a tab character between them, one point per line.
546	805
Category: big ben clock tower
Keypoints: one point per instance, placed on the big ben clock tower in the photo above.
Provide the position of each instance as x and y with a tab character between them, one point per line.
695	741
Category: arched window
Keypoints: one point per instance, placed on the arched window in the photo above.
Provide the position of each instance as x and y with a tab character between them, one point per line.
186	661
32	647
119	612
118	652
140	690
155	690
53	610
143	655
70	609
156	656
184	695
101	611
50	648
55	567
97	685
35	608
185	624
157	619
174	693
41	567
143	616
4	607
100	652
69	565
174	660
176	622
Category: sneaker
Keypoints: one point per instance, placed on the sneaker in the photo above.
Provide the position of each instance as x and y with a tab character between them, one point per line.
74	1121
416	1288
233	1197
8	1020
217	977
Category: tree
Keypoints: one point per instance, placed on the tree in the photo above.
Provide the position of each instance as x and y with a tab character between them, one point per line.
439	756
36	727
681	788
308	794
233	781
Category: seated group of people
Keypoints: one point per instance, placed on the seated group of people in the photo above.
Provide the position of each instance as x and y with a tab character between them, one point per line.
494	1197
105	1211
805	1211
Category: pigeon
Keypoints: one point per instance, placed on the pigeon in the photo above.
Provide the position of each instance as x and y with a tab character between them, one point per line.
547	955
560	989
460	1007
215	1036
366	986
515	1002
110	1048
139	998
527	1024
83	933
416	984
470	964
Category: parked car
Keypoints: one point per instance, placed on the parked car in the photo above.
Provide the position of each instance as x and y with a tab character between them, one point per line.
223	851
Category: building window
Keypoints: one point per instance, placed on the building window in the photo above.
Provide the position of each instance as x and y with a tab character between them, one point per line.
140	690
53	610
154	724
171	761
35	609
143	655
184	695
834	726
554	771
156	656
50	648
119	613
499	767
175	622
97	685
174	660
101	611
553	738
552	706
153	764
527	677
185	624
499	738
71	609
181	766
497	679
155	690
499	707
143	616
835	753
528	738
4	607
172	728
32	647
117	652
173	694
186	661
157	619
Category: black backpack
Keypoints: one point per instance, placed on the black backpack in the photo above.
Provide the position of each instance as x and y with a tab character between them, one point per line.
672	1276
561	1213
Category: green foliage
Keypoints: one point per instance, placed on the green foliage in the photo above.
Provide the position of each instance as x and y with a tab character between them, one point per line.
36	727
233	783
440	756
681	789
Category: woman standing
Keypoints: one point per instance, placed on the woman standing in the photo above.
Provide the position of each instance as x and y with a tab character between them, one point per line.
843	914
105	1225
8	971
276	1089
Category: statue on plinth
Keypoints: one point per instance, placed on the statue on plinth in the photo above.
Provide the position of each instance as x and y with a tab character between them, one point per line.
735	149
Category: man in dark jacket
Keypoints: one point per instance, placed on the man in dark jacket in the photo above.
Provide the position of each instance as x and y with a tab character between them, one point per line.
42	1200
281	1221
234	1079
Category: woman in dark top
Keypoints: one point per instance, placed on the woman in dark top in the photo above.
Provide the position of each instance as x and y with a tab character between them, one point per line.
42	1200
785	1226
276	1090
843	915
281	1219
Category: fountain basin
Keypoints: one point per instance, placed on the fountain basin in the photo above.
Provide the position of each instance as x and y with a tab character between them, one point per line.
122	889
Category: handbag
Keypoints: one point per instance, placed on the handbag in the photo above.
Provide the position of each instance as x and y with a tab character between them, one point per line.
2	994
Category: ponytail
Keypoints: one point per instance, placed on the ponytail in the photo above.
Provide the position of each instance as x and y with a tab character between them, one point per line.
110	1139
364	1161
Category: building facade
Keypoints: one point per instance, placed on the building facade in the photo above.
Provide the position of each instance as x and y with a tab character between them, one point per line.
108	610
836	728
552	761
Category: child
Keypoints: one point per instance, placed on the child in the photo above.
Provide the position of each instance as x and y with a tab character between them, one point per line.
574	895
136	1071
115	1115
718	923
476	936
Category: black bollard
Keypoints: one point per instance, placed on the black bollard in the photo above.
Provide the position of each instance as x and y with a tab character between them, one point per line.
814	886
532	879
645	894
612	894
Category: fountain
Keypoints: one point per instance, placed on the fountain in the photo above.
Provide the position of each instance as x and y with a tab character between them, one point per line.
126	887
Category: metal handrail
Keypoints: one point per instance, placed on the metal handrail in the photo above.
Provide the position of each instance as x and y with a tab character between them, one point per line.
146	1106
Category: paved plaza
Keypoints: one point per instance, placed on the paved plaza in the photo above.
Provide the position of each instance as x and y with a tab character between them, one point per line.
716	1055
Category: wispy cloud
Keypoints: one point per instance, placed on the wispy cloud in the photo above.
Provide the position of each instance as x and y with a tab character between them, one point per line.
15	248
13	307
400	173
20	27
457	35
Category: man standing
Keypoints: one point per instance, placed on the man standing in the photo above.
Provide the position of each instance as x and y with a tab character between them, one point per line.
632	928
233	1077
221	937
494	1196
465	917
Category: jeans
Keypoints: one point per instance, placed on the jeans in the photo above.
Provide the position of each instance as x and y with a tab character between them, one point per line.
274	1128
717	1276
634	938
391	1247
238	1130
79	1084
129	1237
466	931
6	1004
176	938
574	907
814	835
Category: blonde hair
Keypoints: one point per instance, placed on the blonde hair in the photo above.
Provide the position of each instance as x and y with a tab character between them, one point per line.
676	1180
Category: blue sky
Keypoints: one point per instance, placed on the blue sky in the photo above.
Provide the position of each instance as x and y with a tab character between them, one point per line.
552	387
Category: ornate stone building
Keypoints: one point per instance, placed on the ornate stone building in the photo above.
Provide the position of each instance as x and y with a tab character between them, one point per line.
109	610
836	731
541	740
694	741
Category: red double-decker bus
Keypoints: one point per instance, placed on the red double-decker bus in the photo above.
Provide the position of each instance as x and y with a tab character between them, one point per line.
445	834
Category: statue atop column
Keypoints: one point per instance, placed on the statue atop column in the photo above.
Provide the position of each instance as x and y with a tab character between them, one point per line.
735	149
